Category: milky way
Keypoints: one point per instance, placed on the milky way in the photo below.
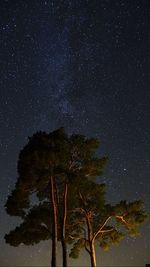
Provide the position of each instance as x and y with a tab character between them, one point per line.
83	65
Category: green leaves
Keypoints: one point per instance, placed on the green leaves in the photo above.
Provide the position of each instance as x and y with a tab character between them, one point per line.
17	202
35	227
75	251
85	217
101	222
70	159
130	215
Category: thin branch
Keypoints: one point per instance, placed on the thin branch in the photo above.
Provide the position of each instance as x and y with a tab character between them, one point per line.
101	228
86	247
74	238
83	201
83	211
45	226
85	240
109	230
123	220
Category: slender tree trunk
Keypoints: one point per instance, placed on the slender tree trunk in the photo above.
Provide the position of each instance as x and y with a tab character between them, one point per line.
91	241
62	220
92	254
54	233
63	241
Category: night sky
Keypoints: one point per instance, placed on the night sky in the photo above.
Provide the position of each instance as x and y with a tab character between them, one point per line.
84	65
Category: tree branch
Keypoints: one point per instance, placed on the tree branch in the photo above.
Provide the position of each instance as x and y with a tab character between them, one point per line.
105	231
83	201
45	226
100	230
85	241
123	220
86	247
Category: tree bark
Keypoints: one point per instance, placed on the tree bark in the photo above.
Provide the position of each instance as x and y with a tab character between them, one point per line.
91	242
62	220
54	233
63	241
92	254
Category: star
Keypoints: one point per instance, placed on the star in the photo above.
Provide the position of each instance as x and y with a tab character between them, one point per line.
83	65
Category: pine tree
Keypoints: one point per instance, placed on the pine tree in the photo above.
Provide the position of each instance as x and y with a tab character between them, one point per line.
50	166
94	221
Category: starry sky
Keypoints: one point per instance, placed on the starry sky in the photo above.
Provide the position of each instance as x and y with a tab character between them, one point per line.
84	65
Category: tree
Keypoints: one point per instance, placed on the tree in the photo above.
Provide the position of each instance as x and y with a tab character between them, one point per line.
35	227
48	165
94	221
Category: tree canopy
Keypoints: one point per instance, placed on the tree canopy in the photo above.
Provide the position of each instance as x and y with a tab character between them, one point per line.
61	171
47	166
95	221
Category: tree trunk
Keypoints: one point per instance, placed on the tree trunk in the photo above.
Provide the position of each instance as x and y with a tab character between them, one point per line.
54	233
64	252
91	241
63	241
62	220
92	254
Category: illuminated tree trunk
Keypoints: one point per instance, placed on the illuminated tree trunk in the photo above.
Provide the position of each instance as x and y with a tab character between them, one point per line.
54	233
63	241
91	242
92	254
